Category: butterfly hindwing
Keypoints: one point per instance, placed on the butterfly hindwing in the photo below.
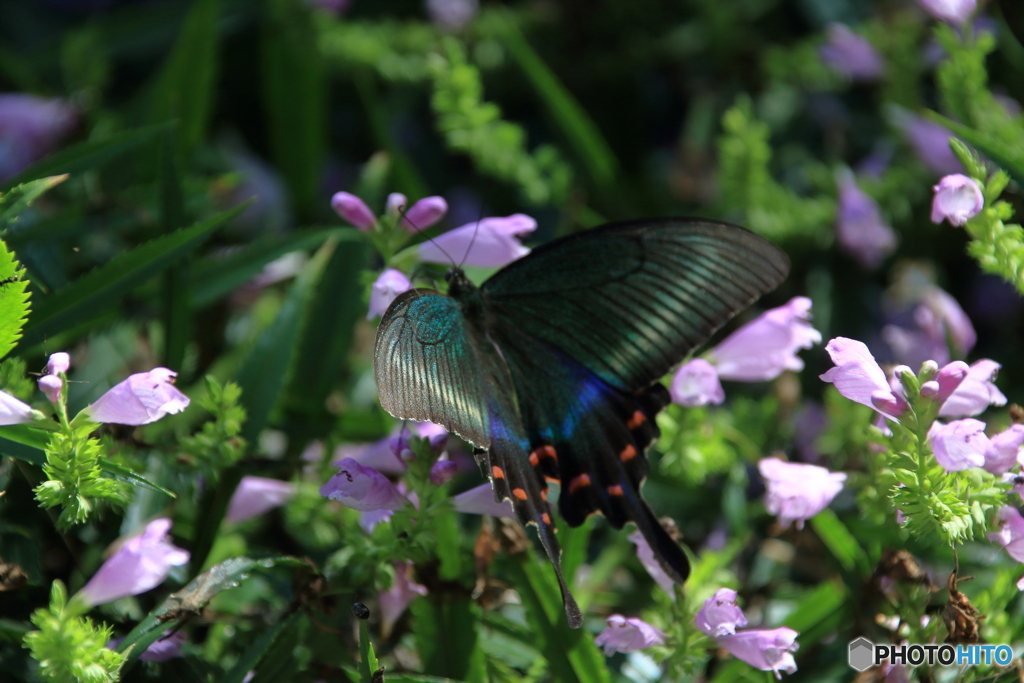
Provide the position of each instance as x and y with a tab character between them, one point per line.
630	300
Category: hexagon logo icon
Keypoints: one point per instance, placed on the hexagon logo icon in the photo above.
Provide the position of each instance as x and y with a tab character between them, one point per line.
862	654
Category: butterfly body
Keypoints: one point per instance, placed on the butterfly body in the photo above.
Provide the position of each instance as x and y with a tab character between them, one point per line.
550	368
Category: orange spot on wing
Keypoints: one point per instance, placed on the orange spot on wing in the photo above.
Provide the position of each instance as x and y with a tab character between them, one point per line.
638	419
628	453
519	493
546	517
545	452
553	480
579	482
498	472
534	460
615	490
544	494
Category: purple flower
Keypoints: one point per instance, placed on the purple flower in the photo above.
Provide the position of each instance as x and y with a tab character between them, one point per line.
1011	535
767	650
386	289
442	471
452	14
362	488
860	228
480	501
959	445
142	398
141	563
30	128
764	347
425	213
957	199
975	393
58	363
930	142
51	386
858	377
168	646
14	412
395	600
435	433
490	243
354	210
653	567
797	492
720	614
627	635
948	312
851	55
946	381
696	383
256	495
956	12
1003	450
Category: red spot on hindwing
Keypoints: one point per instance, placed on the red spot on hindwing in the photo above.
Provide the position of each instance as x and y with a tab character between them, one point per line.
615	490
579	482
638	419
498	472
519	493
628	453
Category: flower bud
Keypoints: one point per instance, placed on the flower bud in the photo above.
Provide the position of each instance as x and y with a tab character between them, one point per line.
51	386
58	363
353	210
442	471
957	199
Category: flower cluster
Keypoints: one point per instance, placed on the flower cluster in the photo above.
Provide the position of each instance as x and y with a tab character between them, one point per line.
765	649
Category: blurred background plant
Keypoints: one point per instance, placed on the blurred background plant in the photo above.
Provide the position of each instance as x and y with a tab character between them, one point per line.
167	170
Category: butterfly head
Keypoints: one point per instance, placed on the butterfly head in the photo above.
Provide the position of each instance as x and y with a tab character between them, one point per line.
459	286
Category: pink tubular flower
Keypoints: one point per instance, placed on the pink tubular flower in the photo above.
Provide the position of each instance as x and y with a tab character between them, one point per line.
425	213
948	379
490	243
51	386
58	363
957	199
362	488
696	383
767	650
14	412
930	142
720	614
354	210
386	289
1011	535
452	14
764	347
256	495
442	471
395	600
653	567
955	12
959	445
627	635
797	492
168	646
30	128
142	398
141	563
859	378
947	311
480	501
1003	450
851	55
975	392
860	228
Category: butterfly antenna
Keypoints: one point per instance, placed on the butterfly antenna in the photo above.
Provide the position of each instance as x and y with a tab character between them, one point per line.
402	213
476	231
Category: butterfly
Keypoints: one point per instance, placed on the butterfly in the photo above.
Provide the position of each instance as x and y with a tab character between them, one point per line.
551	367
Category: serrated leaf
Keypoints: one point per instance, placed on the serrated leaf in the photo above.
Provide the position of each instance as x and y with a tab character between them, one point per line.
85	155
102	287
19	198
14	307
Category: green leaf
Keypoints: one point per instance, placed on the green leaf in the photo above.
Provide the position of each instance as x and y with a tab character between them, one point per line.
295	98
581	131
14	307
186	85
447	635
1009	158
103	286
177	283
19	198
254	653
85	155
367	658
819	607
214	278
841	542
126	475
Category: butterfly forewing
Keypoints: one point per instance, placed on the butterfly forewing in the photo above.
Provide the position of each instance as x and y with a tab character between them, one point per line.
630	300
